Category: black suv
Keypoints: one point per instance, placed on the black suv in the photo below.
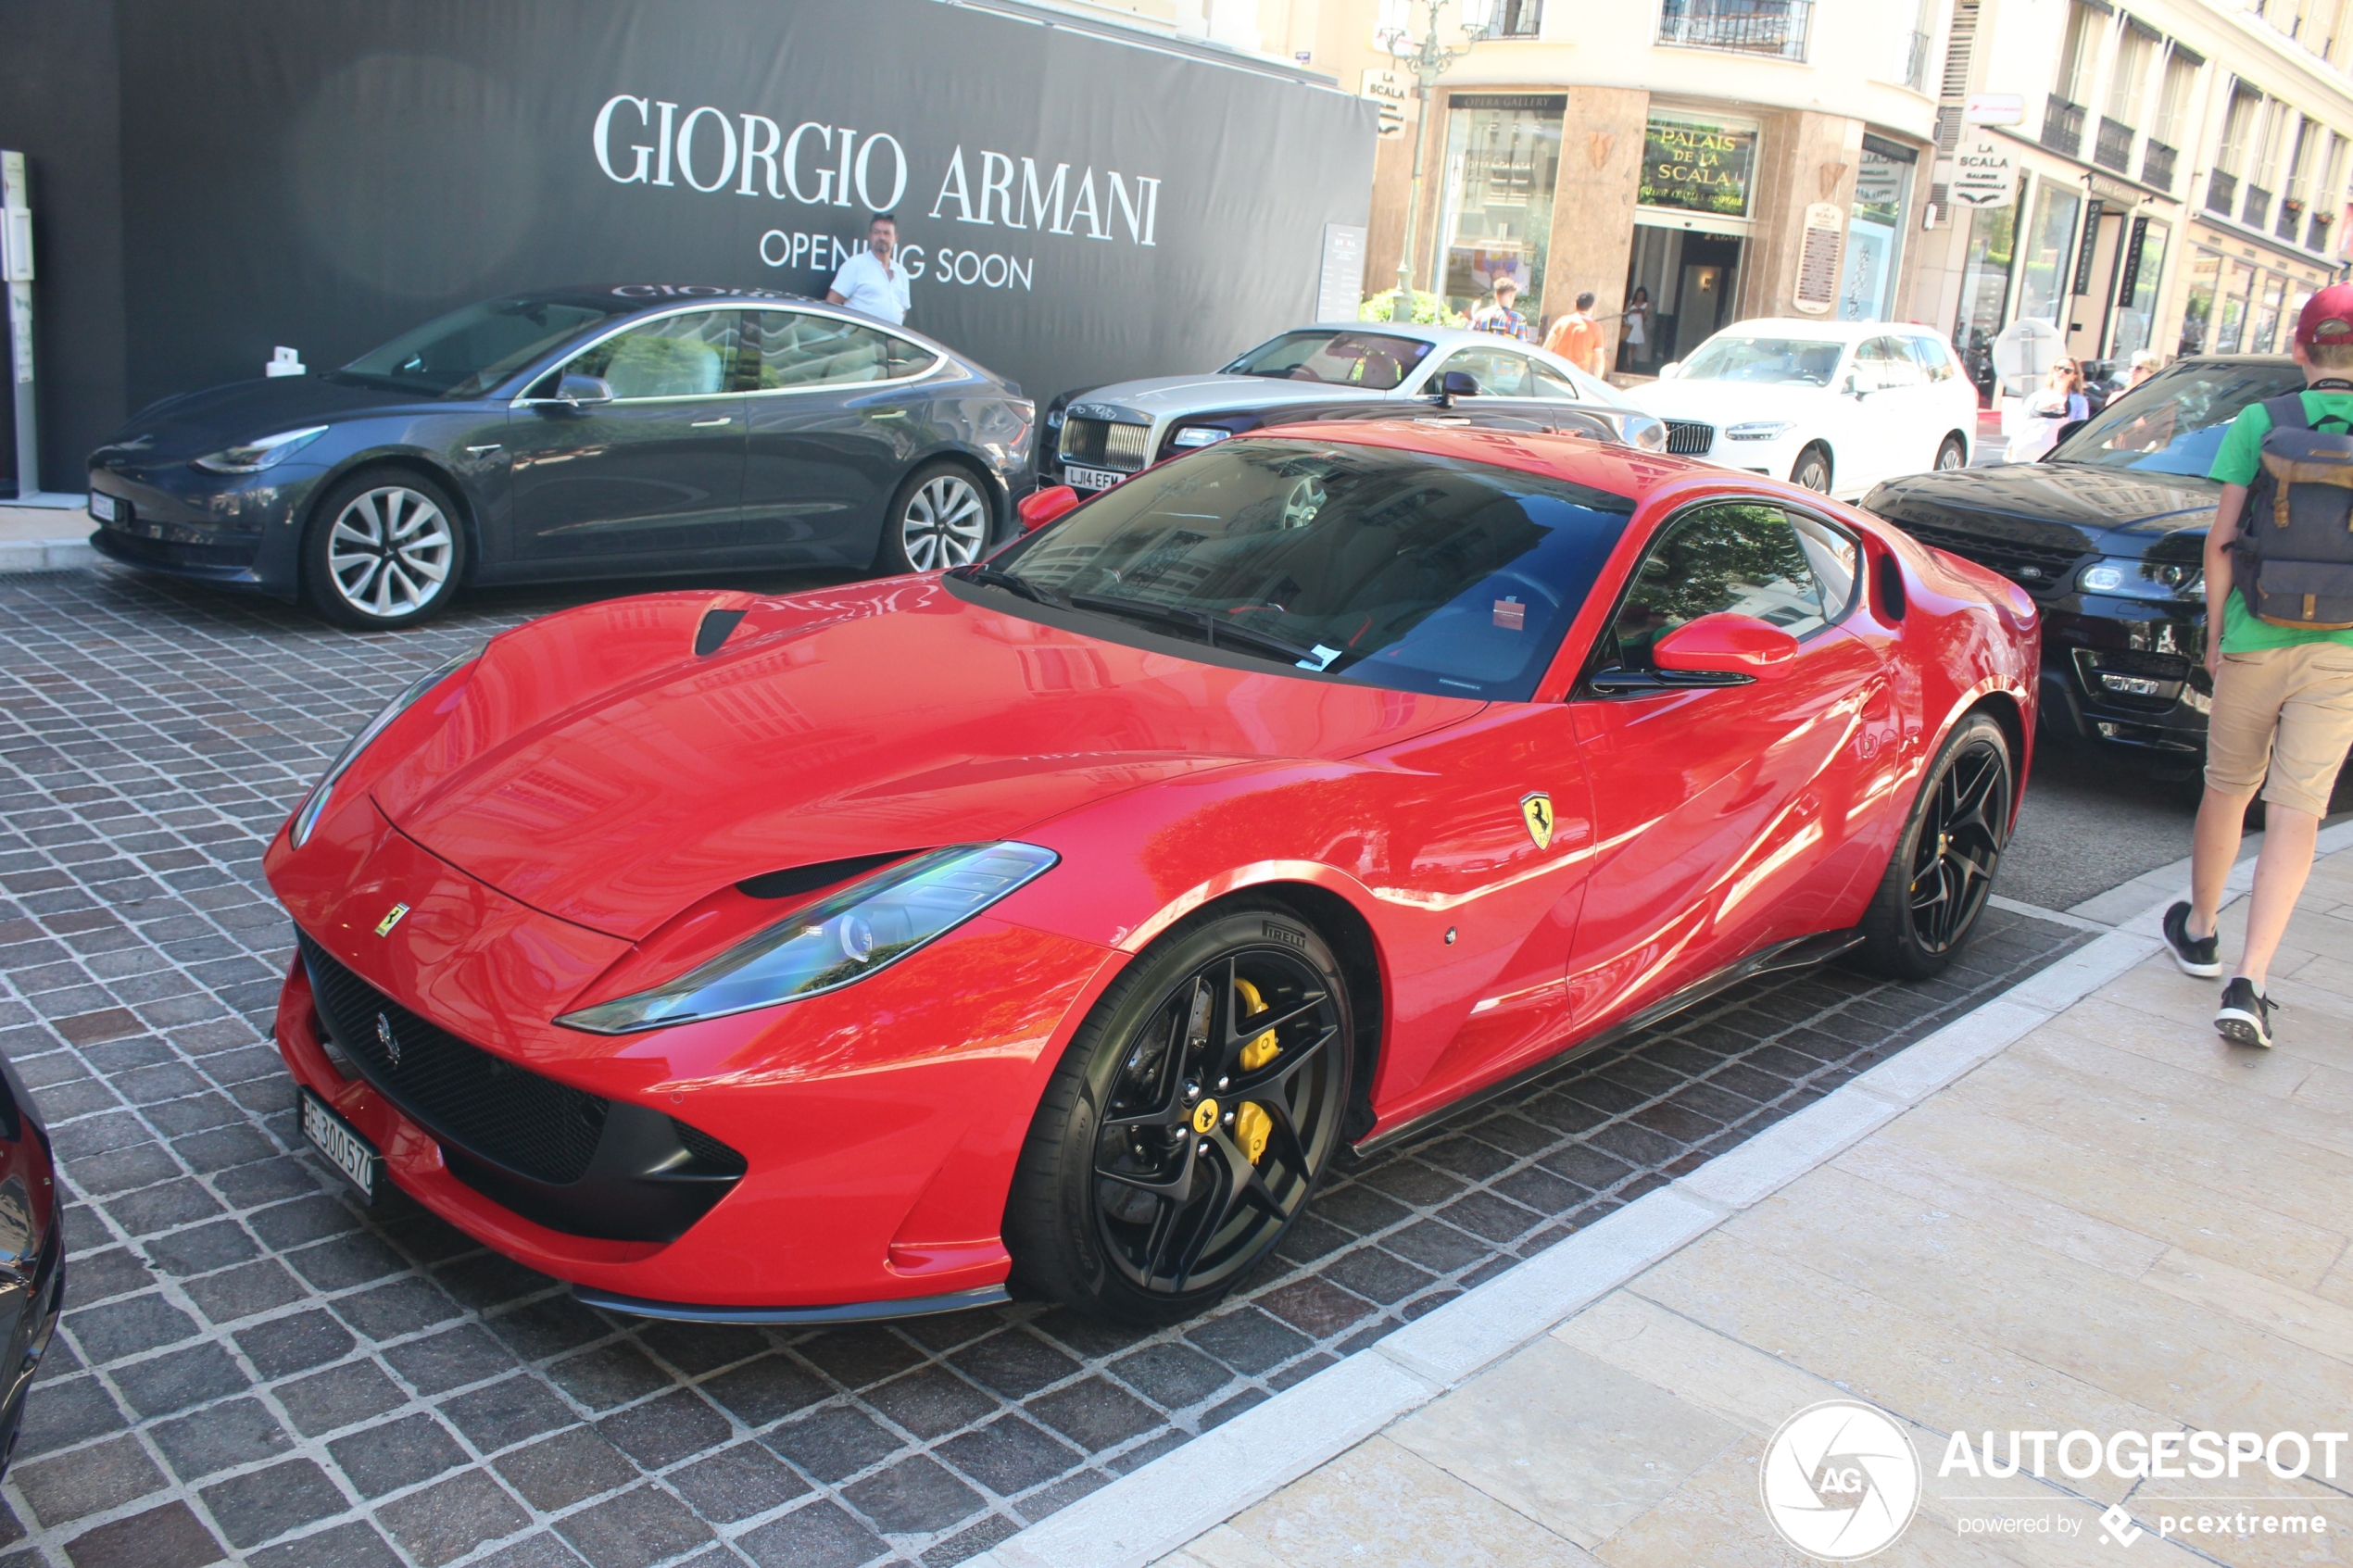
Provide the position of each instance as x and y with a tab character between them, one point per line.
2107	534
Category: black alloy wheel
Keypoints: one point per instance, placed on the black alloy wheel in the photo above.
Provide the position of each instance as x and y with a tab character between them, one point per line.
1191	1122
1942	873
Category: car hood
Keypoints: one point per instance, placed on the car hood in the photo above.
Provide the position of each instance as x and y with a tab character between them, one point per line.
1727	402
194	423
2074	505
1164	397
595	769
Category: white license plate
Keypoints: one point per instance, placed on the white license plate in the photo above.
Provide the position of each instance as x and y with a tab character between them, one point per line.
101	505
1089	479
341	1143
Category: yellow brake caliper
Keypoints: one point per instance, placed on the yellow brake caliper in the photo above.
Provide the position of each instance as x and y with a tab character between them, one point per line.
1253	1126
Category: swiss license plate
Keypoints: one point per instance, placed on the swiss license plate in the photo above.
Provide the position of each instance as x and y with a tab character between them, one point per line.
102	506
341	1143
1089	479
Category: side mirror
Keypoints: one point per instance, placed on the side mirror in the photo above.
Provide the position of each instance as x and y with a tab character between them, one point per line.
1724	643
1456	383
581	392
1669	370
1041	507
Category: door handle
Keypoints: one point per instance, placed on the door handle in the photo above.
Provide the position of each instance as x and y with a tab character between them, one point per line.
705	425
885	413
478	451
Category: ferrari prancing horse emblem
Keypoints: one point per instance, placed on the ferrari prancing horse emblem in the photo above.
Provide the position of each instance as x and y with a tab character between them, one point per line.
392	918
1536	810
1205	1117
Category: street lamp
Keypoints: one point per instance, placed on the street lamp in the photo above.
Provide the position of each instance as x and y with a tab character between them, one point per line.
1428	59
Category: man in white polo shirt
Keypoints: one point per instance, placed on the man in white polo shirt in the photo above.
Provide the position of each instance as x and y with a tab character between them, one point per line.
872	281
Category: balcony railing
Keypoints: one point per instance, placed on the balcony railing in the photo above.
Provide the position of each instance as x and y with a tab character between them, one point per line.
1752	26
1911	60
2221	192
2114	147
2291	225
2157	165
1519	18
2257	211
2063	126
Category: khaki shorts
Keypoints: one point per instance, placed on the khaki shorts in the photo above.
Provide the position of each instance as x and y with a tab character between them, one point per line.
2290	708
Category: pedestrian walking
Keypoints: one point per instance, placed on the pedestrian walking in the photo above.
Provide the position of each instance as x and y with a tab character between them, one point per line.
1499	316
1577	337
2034	422
2146	363
2279	646
1634	341
873	280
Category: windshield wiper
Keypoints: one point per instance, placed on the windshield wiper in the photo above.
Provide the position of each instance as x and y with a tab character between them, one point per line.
1215	630
995	578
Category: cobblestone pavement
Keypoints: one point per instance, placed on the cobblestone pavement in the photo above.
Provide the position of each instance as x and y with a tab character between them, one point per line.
252	1367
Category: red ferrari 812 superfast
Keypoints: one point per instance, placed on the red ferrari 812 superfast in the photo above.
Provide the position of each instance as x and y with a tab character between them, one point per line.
1060	920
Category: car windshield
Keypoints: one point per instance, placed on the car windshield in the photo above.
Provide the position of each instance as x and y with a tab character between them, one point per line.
1376	361
1805	361
468	352
1397	569
2175	423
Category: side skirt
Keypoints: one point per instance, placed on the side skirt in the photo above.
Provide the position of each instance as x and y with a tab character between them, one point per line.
1803	952
855	1311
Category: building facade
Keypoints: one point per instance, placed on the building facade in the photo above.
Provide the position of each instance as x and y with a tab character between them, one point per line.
2176	172
2160	173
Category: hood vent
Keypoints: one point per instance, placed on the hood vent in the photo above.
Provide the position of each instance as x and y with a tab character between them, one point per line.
797	880
717	626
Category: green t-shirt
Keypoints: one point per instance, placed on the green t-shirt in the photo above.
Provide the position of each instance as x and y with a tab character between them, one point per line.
2240	460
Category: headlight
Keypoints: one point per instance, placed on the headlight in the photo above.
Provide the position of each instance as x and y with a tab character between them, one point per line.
305	815
1198	435
836	940
1760	430
2142	579
1054	420
251	457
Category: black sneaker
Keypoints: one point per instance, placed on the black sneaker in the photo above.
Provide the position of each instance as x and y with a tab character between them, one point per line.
2245	1018
2198	955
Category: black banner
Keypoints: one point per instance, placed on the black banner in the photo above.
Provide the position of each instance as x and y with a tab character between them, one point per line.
323	174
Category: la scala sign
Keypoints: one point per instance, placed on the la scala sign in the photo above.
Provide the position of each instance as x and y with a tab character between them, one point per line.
1983	175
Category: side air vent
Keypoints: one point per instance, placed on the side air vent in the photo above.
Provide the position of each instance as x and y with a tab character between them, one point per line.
1890	572
717	626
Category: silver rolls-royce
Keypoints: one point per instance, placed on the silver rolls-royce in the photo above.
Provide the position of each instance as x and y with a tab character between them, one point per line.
1097	437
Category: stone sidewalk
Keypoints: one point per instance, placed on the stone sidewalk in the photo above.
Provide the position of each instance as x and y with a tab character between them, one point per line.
2118	1222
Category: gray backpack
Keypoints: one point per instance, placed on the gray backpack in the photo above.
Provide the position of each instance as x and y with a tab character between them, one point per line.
2294	556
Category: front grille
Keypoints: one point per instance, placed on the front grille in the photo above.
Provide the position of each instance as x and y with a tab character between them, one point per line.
2136	661
2038	569
1690	440
1102	444
183	552
486	1105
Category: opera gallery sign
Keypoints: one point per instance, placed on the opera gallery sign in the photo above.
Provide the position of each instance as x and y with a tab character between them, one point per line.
654	142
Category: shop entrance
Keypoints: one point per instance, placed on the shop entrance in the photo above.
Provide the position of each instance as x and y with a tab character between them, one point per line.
1691	280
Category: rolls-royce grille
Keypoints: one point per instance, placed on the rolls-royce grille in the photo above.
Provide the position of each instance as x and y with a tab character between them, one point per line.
1102	444
1690	440
2038	569
482	1104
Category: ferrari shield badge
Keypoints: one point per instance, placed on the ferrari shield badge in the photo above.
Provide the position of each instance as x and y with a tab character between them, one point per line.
392	918
1536	810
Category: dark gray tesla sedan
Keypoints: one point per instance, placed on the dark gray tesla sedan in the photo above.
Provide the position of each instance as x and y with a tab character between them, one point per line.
635	431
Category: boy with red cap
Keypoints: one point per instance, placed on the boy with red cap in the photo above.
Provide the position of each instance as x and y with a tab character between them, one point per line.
2281	653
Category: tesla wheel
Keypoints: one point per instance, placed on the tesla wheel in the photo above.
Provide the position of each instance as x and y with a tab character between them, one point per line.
1942	873
1952	455
1812	470
1190	1121
939	520
383	550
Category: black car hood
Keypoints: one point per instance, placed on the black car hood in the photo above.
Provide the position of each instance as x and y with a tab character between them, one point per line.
2069	503
196	422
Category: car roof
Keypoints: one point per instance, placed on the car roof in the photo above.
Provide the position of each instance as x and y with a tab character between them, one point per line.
1444	337
1622	471
1821	331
